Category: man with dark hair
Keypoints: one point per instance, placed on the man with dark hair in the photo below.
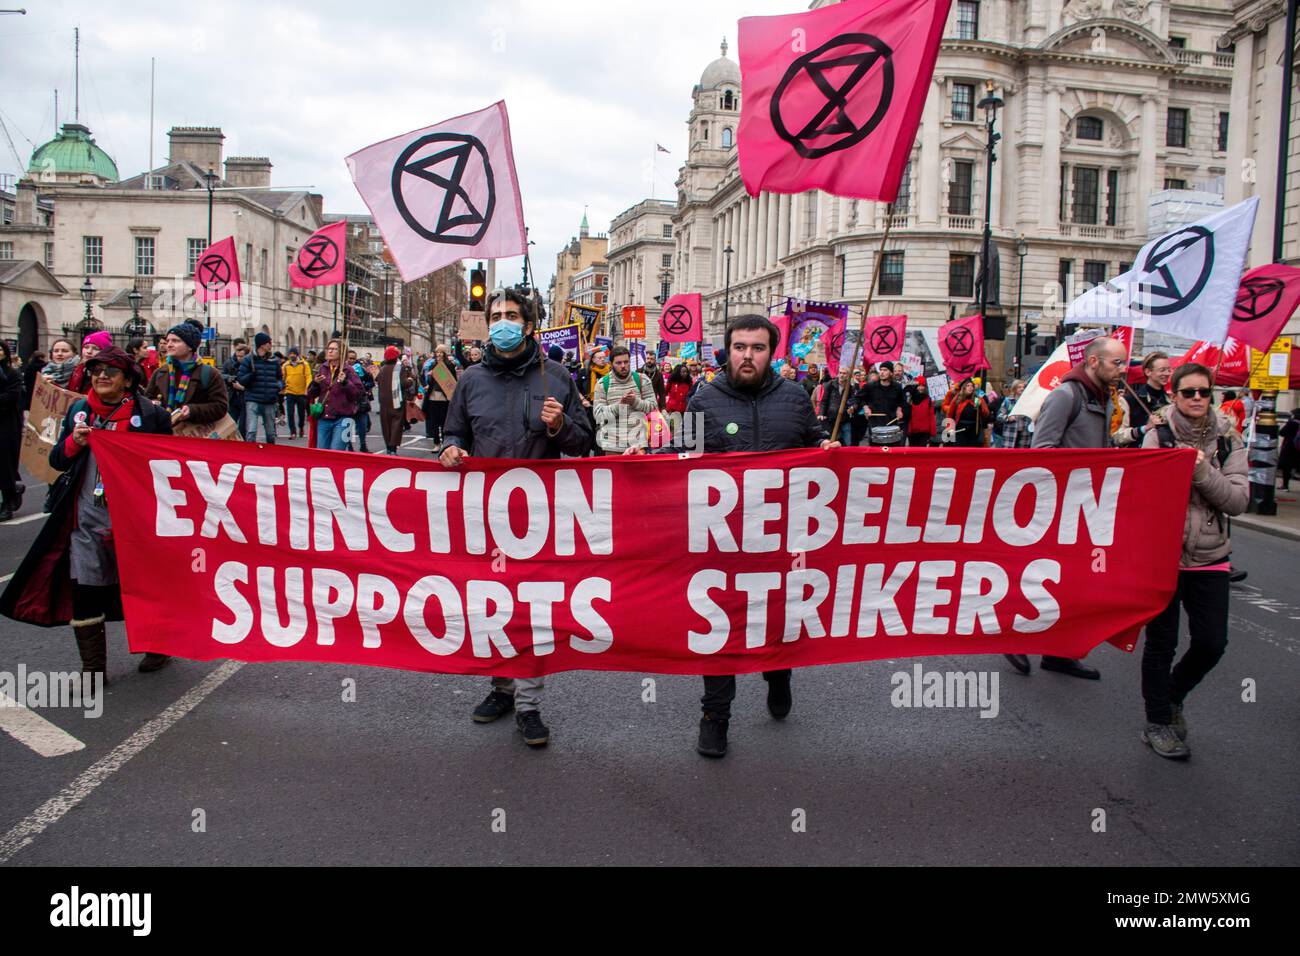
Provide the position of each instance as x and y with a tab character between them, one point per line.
882	399
620	401
484	420
748	408
230	373
260	375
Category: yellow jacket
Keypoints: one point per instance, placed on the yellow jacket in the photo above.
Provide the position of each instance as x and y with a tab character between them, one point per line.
296	378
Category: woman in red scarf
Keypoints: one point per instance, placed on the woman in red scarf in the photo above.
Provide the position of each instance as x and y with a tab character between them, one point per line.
70	573
969	414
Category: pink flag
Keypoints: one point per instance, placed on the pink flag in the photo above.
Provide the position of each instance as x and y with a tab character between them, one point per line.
216	276
961	346
445	193
833	340
322	260
680	320
1267	297
782	323
833	96
884	339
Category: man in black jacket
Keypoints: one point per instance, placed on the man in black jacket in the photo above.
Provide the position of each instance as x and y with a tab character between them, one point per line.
748	408
484	420
259	373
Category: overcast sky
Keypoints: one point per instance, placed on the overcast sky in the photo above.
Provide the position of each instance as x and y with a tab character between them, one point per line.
591	86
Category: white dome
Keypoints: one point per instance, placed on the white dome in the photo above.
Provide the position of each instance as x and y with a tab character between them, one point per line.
721	71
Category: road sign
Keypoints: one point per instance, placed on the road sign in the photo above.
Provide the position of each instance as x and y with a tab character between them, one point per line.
1272	373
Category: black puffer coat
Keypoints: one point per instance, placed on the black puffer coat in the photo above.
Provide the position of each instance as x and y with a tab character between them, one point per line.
776	416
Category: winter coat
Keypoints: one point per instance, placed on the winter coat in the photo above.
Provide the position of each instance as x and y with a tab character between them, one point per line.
921	421
1218	490
392	417
776	416
607	405
40	592
340	398
656	382
11	417
260	378
205	395
1130	432
676	400
297	377
496	411
1073	416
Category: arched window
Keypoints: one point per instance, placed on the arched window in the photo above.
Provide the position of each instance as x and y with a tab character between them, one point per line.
726	137
704	132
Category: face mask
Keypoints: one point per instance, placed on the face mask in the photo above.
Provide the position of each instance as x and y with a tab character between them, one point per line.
506	336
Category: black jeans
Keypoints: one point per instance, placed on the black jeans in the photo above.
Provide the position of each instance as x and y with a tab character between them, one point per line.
295	407
1205	595
720	691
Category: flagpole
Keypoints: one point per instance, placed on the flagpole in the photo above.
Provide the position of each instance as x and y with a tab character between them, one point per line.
862	327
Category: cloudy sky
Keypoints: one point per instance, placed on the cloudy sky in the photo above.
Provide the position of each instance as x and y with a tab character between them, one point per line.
591	86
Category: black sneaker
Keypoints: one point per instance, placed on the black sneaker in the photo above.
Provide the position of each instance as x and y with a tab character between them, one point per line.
495	705
1236	577
530	725
779	698
1019	661
1164	741
713	736
153	662
1068	665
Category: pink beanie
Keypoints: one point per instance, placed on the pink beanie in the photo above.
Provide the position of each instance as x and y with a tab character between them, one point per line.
103	339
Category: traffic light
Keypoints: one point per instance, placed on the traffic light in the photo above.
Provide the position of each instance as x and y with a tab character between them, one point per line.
477	289
1031	336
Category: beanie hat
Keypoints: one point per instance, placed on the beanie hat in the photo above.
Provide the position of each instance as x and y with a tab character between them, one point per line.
391	354
103	339
260	339
189	332
116	358
555	353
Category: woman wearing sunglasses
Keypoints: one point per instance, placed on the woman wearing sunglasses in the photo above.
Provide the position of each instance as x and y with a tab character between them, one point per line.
1219	489
70	573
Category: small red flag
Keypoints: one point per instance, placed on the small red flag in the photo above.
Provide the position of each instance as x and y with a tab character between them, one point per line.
217	274
322	260
961	346
1267	297
883	339
680	320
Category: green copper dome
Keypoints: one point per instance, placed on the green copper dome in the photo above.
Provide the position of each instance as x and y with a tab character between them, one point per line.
71	155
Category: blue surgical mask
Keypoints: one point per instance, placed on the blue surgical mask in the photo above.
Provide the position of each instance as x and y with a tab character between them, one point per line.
506	336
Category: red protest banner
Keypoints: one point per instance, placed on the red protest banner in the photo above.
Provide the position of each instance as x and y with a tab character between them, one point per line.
778	559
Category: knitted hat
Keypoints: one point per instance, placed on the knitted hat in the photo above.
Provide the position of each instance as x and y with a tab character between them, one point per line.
116	358
189	332
555	353
103	339
392	354
260	339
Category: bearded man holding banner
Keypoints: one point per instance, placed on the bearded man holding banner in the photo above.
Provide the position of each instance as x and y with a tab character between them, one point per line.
748	408
484	421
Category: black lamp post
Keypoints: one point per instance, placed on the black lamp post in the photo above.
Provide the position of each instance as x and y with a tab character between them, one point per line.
726	295
990	105
87	296
135	298
1022	250
210	179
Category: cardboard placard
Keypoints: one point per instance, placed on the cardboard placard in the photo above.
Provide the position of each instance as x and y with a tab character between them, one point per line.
445	379
473	326
49	406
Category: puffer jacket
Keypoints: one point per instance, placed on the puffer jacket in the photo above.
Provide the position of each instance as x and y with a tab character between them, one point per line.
496	410
776	416
297	377
1218	491
260	378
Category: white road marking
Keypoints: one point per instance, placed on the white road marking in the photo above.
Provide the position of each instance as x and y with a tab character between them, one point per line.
53	809
30	728
39	516
412	441
5	578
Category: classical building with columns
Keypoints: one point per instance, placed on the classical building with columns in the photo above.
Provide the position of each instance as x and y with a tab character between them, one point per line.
641	251
1106	105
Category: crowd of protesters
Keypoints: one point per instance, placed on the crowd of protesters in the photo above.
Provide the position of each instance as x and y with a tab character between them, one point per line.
467	396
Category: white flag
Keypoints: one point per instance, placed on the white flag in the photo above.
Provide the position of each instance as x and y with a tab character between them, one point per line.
1185	282
1043	383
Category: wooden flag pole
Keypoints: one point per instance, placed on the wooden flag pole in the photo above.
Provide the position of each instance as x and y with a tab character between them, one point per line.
862	327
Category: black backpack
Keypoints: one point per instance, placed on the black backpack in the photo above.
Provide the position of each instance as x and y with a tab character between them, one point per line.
1167	440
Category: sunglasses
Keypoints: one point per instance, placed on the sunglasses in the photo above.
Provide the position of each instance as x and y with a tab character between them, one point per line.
1196	392
104	371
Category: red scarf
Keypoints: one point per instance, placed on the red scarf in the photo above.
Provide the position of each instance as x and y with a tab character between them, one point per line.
112	417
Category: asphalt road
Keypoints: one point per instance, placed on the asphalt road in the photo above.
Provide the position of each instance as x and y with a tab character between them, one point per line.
285	771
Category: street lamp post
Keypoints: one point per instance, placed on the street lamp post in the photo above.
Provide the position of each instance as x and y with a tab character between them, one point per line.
135	298
990	105
210	179
87	296
726	294
1022	250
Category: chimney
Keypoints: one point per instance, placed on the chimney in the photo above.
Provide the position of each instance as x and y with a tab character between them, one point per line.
200	145
25	203
318	205
250	171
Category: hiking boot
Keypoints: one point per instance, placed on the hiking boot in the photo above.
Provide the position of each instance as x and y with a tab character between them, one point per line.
1019	661
1164	741
530	725
153	662
1068	665
1179	722
92	645
713	736
779	698
495	705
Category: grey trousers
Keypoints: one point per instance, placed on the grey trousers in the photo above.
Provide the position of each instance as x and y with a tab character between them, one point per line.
527	691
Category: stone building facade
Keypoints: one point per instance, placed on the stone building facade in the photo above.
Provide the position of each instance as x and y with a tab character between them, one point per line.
641	251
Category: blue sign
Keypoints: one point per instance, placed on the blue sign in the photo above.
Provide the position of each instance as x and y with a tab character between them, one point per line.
209	334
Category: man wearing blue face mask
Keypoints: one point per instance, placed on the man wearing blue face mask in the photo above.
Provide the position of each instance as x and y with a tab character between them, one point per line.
502	408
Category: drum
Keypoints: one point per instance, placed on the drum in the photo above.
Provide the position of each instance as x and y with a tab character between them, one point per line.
887	435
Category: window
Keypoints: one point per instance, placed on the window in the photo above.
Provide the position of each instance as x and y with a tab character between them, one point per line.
728	100
1175	184
1223	132
1124	267
1176	127
726	137
144	255
904	199
263	263
92	248
891	274
49	255
1088	127
704	132
963	101
668	232
961	276
6	251
1061	211
810	201
1094	273
1178	43
666	260
1063	270
1084	209
193	251
1112	196
959	189
248	259
968	19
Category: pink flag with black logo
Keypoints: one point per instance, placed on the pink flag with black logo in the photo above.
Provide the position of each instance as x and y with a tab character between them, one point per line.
833	341
216	275
883	339
1267	298
322	260
680	320
445	193
833	97
961	347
